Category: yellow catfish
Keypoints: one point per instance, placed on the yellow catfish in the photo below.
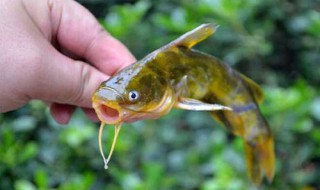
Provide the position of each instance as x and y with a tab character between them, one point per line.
176	76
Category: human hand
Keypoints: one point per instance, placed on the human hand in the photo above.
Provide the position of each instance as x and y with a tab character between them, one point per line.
43	43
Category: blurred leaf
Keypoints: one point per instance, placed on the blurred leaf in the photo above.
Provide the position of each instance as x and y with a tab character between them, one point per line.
153	173
279	100
28	152
24	185
315	108
41	179
131	181
81	182
314	27
14	152
24	123
75	135
122	18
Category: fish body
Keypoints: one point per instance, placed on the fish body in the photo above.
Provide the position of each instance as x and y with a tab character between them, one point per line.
177	76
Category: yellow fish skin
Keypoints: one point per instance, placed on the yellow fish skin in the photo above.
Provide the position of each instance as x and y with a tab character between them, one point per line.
176	76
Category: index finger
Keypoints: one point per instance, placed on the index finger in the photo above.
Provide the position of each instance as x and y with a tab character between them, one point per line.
108	54
77	31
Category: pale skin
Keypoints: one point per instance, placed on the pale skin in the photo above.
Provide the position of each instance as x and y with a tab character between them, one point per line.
55	51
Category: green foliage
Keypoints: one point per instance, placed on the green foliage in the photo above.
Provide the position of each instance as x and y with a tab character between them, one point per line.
273	42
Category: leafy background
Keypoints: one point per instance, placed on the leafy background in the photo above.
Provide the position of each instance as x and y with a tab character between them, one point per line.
276	43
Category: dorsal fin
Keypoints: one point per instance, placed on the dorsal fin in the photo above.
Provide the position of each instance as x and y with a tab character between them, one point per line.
194	36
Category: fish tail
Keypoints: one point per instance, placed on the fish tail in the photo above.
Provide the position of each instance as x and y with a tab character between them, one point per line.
260	158
248	123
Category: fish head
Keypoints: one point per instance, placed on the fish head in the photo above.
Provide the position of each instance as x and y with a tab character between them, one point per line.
134	93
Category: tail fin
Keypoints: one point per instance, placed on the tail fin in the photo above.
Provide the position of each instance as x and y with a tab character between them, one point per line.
258	140
260	157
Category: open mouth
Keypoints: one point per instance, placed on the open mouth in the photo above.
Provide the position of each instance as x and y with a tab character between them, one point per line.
105	102
107	114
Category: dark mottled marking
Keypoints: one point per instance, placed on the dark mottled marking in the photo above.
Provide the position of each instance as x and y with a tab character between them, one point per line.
244	108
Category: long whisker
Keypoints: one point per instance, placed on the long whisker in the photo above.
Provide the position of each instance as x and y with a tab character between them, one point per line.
117	128
100	144
116	133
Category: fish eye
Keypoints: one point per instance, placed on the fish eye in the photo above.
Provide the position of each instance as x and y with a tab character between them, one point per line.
133	95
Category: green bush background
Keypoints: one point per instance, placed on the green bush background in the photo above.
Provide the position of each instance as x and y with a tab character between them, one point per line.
276	43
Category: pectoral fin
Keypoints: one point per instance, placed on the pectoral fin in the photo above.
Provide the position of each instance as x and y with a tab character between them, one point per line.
196	105
194	36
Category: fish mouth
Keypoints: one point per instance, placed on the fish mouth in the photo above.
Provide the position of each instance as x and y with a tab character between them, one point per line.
107	114
105	103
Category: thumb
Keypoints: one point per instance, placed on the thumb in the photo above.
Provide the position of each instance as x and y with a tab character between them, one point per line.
63	80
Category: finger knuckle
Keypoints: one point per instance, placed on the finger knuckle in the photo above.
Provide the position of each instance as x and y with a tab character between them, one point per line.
78	95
